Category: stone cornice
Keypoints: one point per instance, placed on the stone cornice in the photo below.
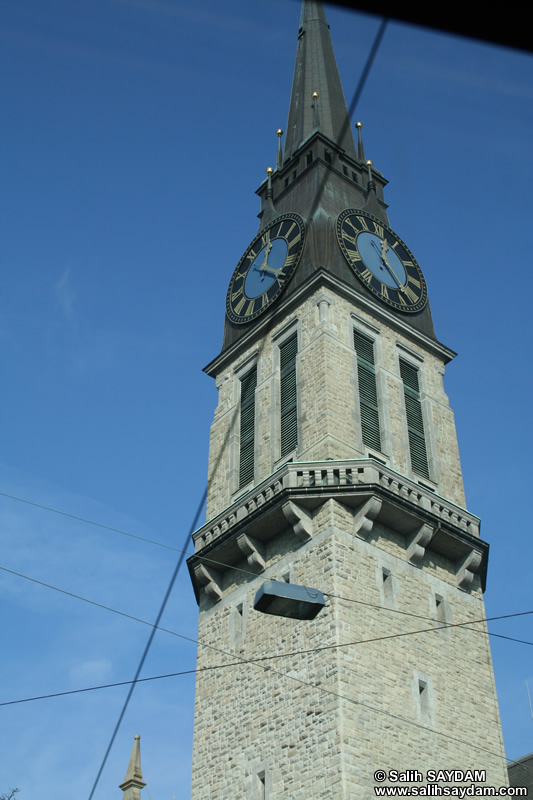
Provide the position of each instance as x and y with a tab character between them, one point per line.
374	493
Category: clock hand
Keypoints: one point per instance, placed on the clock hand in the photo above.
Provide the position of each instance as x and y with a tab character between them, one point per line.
384	260
384	248
264	265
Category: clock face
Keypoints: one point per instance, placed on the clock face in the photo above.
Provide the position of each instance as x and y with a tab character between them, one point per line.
381	260
265	268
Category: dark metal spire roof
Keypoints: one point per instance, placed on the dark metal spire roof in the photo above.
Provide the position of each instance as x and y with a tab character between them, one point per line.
316	70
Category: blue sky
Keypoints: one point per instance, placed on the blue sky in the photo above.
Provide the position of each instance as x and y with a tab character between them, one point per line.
135	133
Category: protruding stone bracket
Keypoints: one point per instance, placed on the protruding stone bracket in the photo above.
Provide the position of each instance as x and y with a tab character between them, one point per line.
252	549
467	568
365	516
211	580
300	519
416	548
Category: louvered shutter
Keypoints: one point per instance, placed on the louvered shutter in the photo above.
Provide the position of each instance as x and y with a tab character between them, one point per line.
368	395
415	421
246	464
289	411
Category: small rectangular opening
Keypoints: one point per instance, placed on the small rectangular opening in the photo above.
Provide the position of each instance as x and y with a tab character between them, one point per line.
327	156
261	786
309	158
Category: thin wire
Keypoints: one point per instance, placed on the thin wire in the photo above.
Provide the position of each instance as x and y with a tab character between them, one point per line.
256	662
207	560
148	645
432	619
285	675
355	99
440	626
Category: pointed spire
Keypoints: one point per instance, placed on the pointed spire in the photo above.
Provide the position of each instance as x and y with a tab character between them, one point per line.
315	72
133	782
360	148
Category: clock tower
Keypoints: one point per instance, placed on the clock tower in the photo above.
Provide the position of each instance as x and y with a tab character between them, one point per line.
334	464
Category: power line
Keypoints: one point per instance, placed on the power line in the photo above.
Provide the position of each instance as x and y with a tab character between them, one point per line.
285	675
207	560
147	647
435	629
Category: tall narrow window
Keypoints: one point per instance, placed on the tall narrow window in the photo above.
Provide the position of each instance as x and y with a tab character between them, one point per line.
415	422
246	463
368	395
289	411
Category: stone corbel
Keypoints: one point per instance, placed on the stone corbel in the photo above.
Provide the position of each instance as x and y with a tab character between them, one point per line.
416	548
210	579
365	516
300	519
467	569
252	550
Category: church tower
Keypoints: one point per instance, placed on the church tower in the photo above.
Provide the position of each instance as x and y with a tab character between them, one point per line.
334	464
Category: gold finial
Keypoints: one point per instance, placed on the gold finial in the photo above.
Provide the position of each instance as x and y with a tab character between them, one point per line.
314	96
279	132
358	125
269	170
368	163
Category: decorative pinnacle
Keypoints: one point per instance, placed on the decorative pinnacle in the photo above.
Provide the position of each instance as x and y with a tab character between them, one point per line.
314	98
279	155
360	148
269	171
371	185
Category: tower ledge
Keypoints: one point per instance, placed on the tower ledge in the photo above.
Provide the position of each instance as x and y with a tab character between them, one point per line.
373	492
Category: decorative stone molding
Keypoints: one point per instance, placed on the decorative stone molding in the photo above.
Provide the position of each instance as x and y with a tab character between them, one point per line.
300	519
372	490
251	548
365	516
468	568
416	549
210	579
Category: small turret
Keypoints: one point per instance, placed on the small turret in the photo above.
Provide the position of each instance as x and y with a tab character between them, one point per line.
133	782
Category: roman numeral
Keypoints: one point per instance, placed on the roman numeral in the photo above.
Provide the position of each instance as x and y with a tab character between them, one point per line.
252	255
236	294
350	223
290	230
290	260
366	275
408	264
400	298
264	300
384	292
414	281
278	234
250	309
265	239
379	230
295	240
363	224
240	305
410	294
348	238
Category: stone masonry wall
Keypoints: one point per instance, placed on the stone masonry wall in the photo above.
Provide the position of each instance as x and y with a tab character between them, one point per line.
328	404
315	722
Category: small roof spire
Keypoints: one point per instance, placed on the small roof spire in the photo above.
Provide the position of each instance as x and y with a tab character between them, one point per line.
360	148
315	71
279	155
133	782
